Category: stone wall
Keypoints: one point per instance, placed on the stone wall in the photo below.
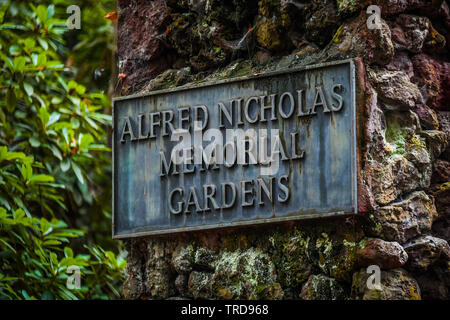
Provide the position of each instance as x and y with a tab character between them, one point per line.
404	128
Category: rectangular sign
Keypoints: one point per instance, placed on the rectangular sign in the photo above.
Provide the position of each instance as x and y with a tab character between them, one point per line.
271	147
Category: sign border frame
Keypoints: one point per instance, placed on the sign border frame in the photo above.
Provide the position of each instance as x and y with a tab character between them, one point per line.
291	215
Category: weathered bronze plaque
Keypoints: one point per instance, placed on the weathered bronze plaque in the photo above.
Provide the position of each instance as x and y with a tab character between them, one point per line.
270	147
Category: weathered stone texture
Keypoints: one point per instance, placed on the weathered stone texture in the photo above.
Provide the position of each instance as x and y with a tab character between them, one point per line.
385	254
435	283
405	219
403	110
141	49
395	284
433	78
395	89
353	38
183	258
424	251
246	274
320	287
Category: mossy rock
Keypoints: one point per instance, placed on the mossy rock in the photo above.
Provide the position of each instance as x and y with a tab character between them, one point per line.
350	7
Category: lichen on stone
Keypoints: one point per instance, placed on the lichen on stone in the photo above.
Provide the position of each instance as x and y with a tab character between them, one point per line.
403	101
248	274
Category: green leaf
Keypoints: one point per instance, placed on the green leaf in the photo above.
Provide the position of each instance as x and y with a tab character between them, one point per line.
54	258
5	155
81	89
11	100
42	59
44	116
34	58
41	178
49	243
7	245
50	11
41	13
19	214
71	85
7	61
28	88
85	141
34	141
43	43
68	252
19	63
29	43
77	172
25	294
53	118
56	100
111	257
65	164
66	294
27	171
45	225
47	295
14	50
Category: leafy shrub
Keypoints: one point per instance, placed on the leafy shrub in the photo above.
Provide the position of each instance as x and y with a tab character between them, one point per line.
54	161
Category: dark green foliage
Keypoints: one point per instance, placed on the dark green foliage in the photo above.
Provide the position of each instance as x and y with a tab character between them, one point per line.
54	161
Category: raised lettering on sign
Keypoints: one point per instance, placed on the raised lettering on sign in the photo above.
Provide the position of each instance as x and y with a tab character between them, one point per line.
271	148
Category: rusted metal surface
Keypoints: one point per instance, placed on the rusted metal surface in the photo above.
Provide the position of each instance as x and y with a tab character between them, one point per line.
322	183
